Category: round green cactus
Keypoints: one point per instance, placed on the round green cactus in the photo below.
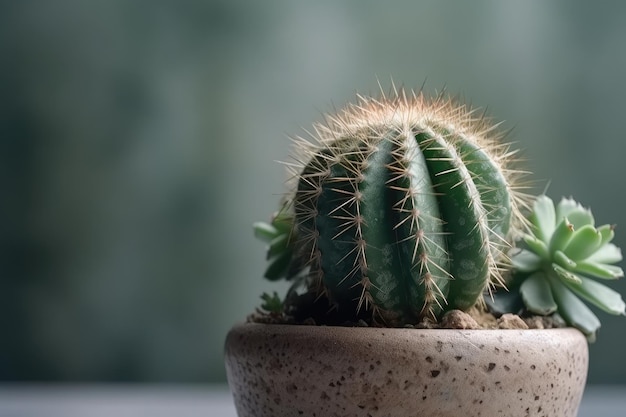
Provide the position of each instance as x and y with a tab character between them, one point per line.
565	250
402	206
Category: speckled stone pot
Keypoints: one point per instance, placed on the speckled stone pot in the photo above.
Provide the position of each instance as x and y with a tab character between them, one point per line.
288	370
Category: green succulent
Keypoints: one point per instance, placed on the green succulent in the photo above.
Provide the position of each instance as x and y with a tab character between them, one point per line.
273	304
403	207
565	253
277	235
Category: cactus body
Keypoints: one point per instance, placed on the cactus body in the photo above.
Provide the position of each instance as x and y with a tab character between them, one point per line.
403	206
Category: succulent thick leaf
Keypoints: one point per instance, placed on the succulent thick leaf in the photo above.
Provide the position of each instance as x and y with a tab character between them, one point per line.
584	243
565	207
265	232
503	302
278	265
576	214
566	275
580	218
599	295
537	246
563	260
278	245
599	270
607	254
543	218
607	232
526	261
562	235
537	294
283	220
573	310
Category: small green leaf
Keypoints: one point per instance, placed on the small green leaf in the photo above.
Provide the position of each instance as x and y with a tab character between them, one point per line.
600	295
565	207
584	243
277	266
561	236
537	246
543	218
573	310
607	232
537	294
265	232
576	213
283	221
607	254
566	275
278	245
599	270
272	303
502	302
563	260
580	218
526	261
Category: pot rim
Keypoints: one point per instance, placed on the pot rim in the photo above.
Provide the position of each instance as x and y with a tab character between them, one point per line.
284	326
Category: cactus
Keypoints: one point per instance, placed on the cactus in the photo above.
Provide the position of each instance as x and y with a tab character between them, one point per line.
565	250
403	206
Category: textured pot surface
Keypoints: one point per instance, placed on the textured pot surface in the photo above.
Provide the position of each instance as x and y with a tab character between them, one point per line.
288	370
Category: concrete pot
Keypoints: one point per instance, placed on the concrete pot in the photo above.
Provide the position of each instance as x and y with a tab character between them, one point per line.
289	370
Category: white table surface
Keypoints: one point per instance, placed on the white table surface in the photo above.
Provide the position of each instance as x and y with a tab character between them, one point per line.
20	400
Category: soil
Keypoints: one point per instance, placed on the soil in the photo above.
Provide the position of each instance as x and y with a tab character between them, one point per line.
475	318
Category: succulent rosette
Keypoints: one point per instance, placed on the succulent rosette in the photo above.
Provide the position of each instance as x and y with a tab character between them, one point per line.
566	254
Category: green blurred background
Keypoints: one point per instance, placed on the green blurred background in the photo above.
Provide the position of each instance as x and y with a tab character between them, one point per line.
138	140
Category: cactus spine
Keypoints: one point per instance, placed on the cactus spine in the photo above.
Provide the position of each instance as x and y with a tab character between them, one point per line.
404	206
